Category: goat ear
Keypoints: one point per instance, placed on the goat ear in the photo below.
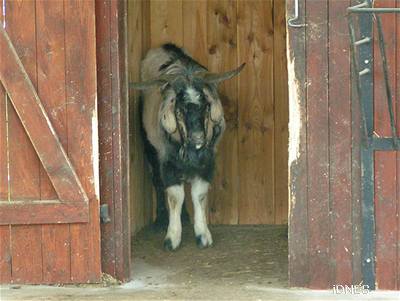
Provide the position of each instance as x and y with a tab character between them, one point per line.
168	120
216	111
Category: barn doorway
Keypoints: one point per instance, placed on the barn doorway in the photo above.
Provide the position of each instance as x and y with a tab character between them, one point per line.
248	200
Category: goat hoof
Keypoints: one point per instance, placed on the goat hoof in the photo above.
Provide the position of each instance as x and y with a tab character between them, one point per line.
168	246
203	241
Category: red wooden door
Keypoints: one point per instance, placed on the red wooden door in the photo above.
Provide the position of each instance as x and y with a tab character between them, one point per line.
387	163
49	199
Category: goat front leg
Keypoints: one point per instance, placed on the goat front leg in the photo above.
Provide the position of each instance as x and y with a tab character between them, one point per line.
175	196
199	198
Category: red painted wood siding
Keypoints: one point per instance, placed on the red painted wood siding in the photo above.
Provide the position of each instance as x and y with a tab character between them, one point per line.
55	41
387	200
325	220
324	181
113	135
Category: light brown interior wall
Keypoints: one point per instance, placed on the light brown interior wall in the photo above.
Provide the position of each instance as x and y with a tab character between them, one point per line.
250	186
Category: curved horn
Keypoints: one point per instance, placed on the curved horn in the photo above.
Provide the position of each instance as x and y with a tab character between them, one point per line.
151	82
215	78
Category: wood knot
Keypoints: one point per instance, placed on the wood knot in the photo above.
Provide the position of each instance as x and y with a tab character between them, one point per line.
224	20
212	49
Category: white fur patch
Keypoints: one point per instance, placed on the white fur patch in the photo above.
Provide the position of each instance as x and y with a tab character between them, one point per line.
193	95
199	198
176	195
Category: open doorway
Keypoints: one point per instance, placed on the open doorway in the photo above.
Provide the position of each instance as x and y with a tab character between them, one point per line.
248	200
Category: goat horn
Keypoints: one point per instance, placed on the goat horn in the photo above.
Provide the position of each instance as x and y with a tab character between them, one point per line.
151	82
219	77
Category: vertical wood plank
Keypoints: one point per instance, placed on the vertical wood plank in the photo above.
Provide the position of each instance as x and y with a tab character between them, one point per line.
385	162
103	50
135	25
281	114
340	143
318	143
6	255
299	269
51	89
5	250
5	244
24	163
195	30
397	96
138	43
222	48
82	113
166	22
356	183
256	112
120	139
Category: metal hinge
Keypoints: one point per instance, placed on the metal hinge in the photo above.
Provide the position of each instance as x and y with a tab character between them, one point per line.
104	214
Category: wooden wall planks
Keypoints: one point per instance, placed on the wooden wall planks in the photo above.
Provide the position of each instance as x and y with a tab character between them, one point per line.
222	45
138	43
281	113
256	112
248	188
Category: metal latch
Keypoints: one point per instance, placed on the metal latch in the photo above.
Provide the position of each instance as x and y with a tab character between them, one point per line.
104	214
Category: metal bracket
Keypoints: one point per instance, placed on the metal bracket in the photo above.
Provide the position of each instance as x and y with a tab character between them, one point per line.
104	214
296	16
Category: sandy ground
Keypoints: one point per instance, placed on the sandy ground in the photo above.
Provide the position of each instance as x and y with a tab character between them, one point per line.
245	263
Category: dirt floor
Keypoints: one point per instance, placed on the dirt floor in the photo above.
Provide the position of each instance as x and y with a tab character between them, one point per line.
240	255
245	263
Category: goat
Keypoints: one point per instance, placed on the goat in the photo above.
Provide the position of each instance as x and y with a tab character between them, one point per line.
182	120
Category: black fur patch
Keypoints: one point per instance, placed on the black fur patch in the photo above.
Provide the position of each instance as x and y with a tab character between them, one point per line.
176	53
199	242
175	169
168	245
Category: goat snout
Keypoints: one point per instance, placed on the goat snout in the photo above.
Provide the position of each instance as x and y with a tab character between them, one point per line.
197	139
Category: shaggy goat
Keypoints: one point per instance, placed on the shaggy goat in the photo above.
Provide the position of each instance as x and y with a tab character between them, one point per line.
183	120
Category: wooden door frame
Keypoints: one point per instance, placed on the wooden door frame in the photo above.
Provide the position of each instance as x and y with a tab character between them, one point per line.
111	48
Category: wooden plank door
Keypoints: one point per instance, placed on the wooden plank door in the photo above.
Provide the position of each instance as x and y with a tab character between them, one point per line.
49	194
386	163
